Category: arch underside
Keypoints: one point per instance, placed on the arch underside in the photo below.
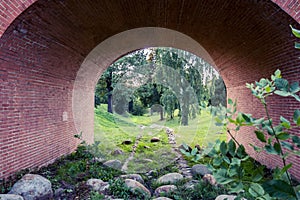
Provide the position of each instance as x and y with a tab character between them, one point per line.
44	62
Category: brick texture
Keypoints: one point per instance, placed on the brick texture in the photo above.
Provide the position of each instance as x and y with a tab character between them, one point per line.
43	44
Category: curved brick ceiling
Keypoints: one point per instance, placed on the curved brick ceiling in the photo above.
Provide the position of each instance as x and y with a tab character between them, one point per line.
43	48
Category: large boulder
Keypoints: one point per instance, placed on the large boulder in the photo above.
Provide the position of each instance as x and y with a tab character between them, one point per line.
135	177
164	189
200	170
116	164
170	178
227	197
97	185
135	185
33	187
11	197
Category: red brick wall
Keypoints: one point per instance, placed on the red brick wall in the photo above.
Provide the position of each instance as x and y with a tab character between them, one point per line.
43	45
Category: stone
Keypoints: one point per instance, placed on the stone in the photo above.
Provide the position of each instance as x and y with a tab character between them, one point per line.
208	178
135	185
162	198
32	187
191	184
97	185
117	152
116	164
11	197
170	178
155	139
200	170
169	131
135	177
148	160
164	189
127	142
227	197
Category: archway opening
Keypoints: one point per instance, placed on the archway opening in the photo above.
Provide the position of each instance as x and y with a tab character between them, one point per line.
151	101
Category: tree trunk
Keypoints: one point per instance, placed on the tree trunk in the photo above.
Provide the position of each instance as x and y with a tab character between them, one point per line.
109	91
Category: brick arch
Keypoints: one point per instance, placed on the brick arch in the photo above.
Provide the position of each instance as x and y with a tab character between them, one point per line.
10	10
43	48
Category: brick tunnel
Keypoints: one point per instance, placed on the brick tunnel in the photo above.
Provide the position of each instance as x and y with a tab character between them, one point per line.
53	52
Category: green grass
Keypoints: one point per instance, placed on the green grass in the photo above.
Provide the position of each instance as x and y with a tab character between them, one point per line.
112	129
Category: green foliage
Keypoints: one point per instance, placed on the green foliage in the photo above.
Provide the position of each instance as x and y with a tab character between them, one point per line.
275	139
202	190
296	33
96	196
190	153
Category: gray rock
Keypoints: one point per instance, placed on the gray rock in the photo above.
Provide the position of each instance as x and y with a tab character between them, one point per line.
116	164
135	185
97	185
135	177
117	152
200	170
33	187
10	197
227	197
164	189
170	178
162	198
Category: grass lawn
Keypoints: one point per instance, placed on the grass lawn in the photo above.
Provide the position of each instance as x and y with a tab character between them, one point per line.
112	129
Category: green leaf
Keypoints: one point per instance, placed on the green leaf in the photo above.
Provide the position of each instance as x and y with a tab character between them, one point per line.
230	102
185	146
279	189
217	161
221	177
277	147
194	151
296	117
294	87
270	149
247	117
232	171
236	161
185	152
231	147
296	32
237	188
256	148
256	190
226	159
241	153
284	122
287	145
257	177
277	73
296	140
296	97
282	84
297	45
223	148
282	93
260	135
285	168
283	136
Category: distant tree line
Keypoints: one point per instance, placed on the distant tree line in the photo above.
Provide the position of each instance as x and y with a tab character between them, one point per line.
173	78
